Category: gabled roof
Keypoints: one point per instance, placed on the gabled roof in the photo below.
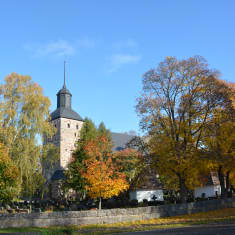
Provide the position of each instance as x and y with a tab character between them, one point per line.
147	180
120	140
63	112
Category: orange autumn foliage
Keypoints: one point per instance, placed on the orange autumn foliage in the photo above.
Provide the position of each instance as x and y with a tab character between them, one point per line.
104	178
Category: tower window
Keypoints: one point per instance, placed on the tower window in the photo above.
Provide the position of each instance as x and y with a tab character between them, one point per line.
68	125
75	134
77	126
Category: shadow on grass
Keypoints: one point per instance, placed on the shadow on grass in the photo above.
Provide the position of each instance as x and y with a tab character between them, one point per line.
39	231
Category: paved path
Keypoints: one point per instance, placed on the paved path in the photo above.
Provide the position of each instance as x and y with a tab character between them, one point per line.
199	230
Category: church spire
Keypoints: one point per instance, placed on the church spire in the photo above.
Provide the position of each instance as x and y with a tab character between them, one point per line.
64	75
64	96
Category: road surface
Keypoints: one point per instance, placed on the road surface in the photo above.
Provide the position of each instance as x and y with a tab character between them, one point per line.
199	230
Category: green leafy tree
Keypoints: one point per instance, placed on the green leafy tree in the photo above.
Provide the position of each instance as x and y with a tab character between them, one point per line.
49	160
103	131
24	115
132	164
74	180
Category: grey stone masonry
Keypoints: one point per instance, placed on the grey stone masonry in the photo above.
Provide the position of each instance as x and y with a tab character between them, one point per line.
68	132
110	216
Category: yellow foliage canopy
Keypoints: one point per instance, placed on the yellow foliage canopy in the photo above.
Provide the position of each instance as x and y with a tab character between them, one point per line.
9	176
102	175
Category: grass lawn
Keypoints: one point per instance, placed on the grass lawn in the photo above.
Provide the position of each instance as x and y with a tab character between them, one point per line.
212	217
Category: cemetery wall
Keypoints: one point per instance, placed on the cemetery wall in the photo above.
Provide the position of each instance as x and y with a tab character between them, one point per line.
67	218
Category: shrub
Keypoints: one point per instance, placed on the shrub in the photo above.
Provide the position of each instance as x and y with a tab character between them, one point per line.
134	203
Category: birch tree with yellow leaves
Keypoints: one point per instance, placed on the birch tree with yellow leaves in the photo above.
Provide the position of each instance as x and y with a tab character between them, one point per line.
176	104
24	118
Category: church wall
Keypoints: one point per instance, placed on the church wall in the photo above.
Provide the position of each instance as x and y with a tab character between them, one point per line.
140	195
209	191
69	134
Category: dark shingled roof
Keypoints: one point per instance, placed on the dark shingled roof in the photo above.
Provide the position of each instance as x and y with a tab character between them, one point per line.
64	90
120	140
58	175
149	181
63	112
64	109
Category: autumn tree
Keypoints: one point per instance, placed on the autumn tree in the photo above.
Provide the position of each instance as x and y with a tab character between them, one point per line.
74	179
9	176
130	162
177	102
219	144
103	178
24	116
134	161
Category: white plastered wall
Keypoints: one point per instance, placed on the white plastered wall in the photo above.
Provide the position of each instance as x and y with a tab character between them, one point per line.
210	191
140	195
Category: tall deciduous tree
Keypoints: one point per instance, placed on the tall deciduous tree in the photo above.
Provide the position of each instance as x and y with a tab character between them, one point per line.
178	100
89	132
24	115
74	179
132	164
104	178
219	144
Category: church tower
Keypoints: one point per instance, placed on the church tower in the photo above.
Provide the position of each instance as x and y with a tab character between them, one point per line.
68	124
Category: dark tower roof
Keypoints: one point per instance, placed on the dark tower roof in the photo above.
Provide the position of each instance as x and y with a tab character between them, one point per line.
64	109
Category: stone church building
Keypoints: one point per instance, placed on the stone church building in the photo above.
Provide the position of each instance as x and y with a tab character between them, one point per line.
68	124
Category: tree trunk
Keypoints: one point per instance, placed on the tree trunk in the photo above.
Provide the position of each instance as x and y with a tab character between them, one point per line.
183	190
227	184
100	204
221	180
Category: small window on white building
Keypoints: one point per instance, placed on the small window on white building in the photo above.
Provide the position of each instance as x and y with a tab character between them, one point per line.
75	134
68	125
77	126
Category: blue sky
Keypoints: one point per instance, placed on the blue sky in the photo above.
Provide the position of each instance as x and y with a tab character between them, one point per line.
109	45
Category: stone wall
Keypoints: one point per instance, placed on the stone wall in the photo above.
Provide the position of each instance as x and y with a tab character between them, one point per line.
69	134
110	216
